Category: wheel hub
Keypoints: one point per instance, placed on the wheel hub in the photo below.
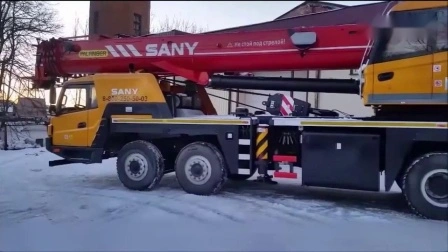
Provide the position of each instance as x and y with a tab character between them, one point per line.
198	170
136	166
434	187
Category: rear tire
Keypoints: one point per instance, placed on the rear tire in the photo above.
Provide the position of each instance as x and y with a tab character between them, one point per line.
425	185
140	165
200	169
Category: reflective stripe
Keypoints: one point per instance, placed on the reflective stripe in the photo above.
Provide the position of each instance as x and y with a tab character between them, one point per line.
244	171
339	122
407	98
180	121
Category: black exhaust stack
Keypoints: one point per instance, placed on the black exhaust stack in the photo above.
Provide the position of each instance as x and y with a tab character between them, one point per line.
338	86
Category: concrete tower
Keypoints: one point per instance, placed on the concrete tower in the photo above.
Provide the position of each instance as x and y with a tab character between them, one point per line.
119	17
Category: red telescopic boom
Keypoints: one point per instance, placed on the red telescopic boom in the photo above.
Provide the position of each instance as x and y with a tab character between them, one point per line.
196	57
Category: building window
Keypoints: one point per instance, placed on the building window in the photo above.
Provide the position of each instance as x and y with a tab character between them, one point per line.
137	24
95	22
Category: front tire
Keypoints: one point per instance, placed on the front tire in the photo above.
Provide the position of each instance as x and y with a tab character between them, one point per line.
425	185
140	165
200	169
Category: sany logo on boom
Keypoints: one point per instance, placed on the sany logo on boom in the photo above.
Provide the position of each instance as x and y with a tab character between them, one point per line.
153	50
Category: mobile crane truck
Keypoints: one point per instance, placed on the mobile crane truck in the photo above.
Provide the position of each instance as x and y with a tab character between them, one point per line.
126	107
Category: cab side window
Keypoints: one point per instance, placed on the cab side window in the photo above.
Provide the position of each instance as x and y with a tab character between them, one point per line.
77	97
411	34
94	100
73	99
442	30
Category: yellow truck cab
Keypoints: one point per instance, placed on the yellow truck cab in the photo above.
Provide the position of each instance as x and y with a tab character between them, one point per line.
407	68
80	111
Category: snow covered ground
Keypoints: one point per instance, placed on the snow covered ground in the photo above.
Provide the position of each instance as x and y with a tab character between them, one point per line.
80	208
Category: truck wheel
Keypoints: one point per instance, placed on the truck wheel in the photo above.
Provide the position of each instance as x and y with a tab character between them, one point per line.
425	185
200	169
140	165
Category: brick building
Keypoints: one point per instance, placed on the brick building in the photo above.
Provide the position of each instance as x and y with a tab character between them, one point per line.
119	17
310	7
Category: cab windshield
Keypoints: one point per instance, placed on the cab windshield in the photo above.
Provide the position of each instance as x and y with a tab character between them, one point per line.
407	34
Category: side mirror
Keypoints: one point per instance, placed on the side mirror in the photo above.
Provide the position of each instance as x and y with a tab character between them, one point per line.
52	94
52	110
381	21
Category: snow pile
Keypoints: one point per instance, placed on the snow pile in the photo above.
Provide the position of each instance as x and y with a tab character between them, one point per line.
22	136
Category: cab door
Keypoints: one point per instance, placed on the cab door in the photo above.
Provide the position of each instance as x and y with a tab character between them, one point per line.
405	75
403	65
70	124
440	71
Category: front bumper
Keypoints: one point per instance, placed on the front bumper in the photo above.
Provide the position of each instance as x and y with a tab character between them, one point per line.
70	154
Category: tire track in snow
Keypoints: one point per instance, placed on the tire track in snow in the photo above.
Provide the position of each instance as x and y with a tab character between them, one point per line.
206	207
276	209
169	205
194	205
325	210
151	204
193	208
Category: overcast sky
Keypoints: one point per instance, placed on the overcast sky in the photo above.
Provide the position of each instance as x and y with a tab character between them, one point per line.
213	15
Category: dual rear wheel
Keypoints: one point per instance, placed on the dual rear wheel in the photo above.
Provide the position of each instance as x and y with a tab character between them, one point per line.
200	167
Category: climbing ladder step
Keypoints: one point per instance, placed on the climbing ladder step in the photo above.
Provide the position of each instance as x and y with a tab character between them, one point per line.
283	158
290	175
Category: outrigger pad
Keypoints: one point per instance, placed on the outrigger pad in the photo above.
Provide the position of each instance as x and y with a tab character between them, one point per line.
266	179
59	162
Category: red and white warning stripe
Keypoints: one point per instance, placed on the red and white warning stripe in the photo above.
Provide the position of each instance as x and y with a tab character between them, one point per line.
125	51
287	105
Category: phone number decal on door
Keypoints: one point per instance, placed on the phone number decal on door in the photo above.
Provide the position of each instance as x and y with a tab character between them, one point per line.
125	98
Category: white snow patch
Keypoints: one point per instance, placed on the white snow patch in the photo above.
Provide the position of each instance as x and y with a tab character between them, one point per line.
85	207
22	136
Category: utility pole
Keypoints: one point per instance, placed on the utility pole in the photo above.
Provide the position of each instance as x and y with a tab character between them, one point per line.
5	134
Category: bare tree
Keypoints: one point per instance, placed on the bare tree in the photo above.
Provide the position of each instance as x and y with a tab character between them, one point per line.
80	28
22	23
173	23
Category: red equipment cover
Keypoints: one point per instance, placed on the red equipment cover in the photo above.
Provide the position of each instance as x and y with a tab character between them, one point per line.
197	56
